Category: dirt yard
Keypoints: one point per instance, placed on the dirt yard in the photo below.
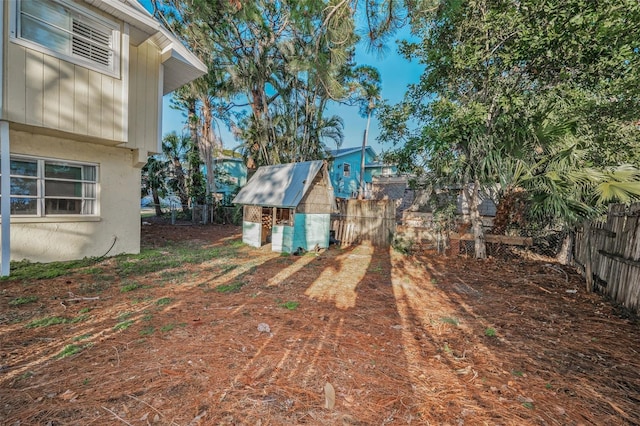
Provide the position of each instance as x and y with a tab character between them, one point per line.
202	330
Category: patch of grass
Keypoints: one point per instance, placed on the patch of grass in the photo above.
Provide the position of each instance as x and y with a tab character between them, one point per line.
101	283
230	288
82	337
157	260
18	301
450	320
84	310
290	305
147	331
234	243
172	275
78	319
25	270
548	386
171	326
72	350
517	373
85	382
25	375
137	300
490	332
123	316
163	301
47	321
123	325
167	327
93	271
147	317
447	349
528	405
129	287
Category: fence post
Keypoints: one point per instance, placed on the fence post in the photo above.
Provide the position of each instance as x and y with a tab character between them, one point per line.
588	270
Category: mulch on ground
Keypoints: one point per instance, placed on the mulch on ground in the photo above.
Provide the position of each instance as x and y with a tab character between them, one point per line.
352	336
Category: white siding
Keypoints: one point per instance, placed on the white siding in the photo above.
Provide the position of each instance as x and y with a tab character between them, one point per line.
44	91
144	71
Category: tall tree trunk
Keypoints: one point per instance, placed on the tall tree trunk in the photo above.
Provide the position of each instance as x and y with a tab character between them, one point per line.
208	146
156	201
480	245
565	254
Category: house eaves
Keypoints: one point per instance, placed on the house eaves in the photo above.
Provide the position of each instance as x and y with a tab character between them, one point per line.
337	153
180	64
282	185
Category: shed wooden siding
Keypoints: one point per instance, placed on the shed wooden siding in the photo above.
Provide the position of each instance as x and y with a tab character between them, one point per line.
319	198
144	71
609	255
49	92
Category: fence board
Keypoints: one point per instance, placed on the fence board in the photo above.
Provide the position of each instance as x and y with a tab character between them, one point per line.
358	221
609	254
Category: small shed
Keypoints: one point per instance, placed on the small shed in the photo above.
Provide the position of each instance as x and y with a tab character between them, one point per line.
289	205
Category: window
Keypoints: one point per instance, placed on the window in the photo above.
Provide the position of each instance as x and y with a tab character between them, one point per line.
61	28
41	187
346	169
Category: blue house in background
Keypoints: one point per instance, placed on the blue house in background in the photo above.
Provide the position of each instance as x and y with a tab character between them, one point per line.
345	170
231	175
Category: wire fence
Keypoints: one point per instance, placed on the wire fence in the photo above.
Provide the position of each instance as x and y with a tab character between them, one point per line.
456	238
215	213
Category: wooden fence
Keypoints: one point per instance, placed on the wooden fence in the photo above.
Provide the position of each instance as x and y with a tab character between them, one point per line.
359	221
608	253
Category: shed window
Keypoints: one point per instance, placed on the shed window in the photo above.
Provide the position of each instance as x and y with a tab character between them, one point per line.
346	169
41	187
67	31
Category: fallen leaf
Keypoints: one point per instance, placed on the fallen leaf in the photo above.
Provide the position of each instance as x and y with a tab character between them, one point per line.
329	396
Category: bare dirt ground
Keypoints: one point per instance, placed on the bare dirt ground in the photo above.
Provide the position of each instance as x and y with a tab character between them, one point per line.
250	337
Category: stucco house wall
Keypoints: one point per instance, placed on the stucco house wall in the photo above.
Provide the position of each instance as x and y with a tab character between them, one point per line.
116	228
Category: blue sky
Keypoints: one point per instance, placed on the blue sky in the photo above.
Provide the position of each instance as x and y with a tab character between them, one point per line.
396	74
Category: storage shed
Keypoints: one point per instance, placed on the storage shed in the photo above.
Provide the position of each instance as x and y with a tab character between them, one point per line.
289	205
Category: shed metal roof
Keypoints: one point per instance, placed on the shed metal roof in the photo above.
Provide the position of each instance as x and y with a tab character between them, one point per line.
282	185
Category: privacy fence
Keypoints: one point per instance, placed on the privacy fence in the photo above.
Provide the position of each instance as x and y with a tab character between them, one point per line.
364	221
608	255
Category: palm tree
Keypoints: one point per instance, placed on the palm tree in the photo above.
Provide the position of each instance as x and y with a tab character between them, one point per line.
154	175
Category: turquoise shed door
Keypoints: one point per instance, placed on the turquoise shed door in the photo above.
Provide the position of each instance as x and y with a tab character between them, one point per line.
311	230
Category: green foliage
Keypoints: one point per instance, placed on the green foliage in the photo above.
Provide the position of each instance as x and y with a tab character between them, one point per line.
230	288
539	95
163	301
22	300
123	325
490	332
70	350
45	322
147	331
25	270
129	287
290	305
48	321
402	245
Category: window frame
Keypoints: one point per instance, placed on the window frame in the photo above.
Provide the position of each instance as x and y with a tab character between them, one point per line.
41	196
82	15
346	170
